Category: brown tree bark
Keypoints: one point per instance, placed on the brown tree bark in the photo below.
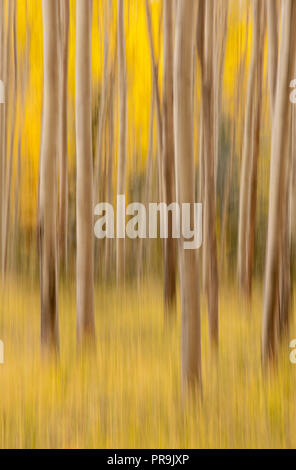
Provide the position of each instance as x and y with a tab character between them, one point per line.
14	75
183	119
206	56
121	175
256	125
23	81
234	139
147	192
278	172
63	147
110	163
2	128
98	180
84	176
220	36
7	86
272	15
247	147
48	184
159	122
168	155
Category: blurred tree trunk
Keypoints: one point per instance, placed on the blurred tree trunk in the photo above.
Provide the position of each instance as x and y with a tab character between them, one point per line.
23	82
2	118
110	111
272	19
252	189
292	214
7	85
204	247
121	177
220	36
48	161
168	155
183	116
234	140
101	147
284	301
14	75
247	148
154	67
284	296
278	181
84	172
98	180
63	150
288	240
206	59
147	193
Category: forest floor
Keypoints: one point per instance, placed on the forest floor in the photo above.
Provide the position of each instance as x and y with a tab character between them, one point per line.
127	395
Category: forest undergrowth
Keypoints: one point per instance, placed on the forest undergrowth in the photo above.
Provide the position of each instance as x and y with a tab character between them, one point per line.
127	393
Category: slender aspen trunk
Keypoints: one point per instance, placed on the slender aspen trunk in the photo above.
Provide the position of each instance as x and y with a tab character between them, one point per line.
234	139
17	188
200	51
84	173
168	155
148	187
11	143
63	151
226	199
2	117
252	189
284	292
7	82
98	180
285	250
100	150
24	76
278	171
221	16
157	102
47	194
121	176
108	247
247	146
183	125
288	240
272	21
210	202
204	247
7	85
292	214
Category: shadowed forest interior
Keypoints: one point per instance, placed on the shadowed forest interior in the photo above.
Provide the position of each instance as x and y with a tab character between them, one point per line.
141	343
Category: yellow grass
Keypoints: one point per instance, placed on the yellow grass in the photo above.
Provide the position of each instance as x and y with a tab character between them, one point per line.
128	395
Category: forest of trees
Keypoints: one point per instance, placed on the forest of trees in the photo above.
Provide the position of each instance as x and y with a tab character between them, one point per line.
218	131
193	36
